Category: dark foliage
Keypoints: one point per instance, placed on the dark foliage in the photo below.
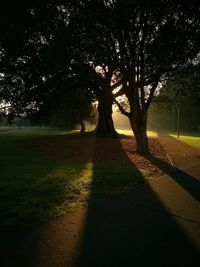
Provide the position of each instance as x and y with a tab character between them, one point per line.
56	53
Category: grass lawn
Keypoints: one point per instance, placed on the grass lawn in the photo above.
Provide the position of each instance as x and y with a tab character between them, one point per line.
190	138
34	188
151	134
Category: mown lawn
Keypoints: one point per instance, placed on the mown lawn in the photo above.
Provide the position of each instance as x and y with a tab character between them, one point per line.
34	188
151	134
190	138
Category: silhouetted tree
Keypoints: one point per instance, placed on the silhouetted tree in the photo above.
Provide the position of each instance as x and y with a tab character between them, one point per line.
135	44
37	55
151	40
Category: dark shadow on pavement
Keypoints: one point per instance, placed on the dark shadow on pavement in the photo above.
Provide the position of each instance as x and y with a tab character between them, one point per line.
134	228
188	182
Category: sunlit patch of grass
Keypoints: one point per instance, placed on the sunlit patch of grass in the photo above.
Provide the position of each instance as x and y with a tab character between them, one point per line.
77	192
125	132
151	134
192	139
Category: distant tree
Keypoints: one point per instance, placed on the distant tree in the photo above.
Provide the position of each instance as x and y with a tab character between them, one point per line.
36	56
177	103
69	105
184	84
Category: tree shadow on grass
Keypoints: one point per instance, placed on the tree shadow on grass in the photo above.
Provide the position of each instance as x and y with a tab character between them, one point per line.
33	188
123	227
132	228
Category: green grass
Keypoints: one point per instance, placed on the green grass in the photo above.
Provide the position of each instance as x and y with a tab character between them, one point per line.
151	134
27	131
33	189
191	138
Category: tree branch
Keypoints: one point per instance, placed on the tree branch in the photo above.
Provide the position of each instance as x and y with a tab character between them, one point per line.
145	82
119	93
124	112
152	90
1	108
117	84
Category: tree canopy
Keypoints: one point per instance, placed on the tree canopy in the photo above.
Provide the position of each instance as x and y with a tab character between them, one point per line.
134	46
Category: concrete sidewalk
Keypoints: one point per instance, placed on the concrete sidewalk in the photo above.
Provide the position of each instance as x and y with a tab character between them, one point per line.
155	224
179	190
182	155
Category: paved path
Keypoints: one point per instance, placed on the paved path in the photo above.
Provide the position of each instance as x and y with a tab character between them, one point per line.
155	224
183	156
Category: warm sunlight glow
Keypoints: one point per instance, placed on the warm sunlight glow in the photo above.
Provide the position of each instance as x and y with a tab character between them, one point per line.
120	121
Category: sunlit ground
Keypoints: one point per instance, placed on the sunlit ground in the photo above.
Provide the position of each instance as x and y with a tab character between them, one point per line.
152	134
191	138
122	125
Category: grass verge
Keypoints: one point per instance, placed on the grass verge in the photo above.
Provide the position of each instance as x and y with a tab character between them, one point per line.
191	138
33	189
151	134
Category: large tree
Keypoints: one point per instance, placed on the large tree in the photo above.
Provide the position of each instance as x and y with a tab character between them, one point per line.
151	40
137	44
37	55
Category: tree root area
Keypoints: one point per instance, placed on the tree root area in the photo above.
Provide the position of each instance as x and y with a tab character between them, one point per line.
106	151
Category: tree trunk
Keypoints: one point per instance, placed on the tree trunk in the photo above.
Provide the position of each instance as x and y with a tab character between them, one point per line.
105	125
82	130
139	127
